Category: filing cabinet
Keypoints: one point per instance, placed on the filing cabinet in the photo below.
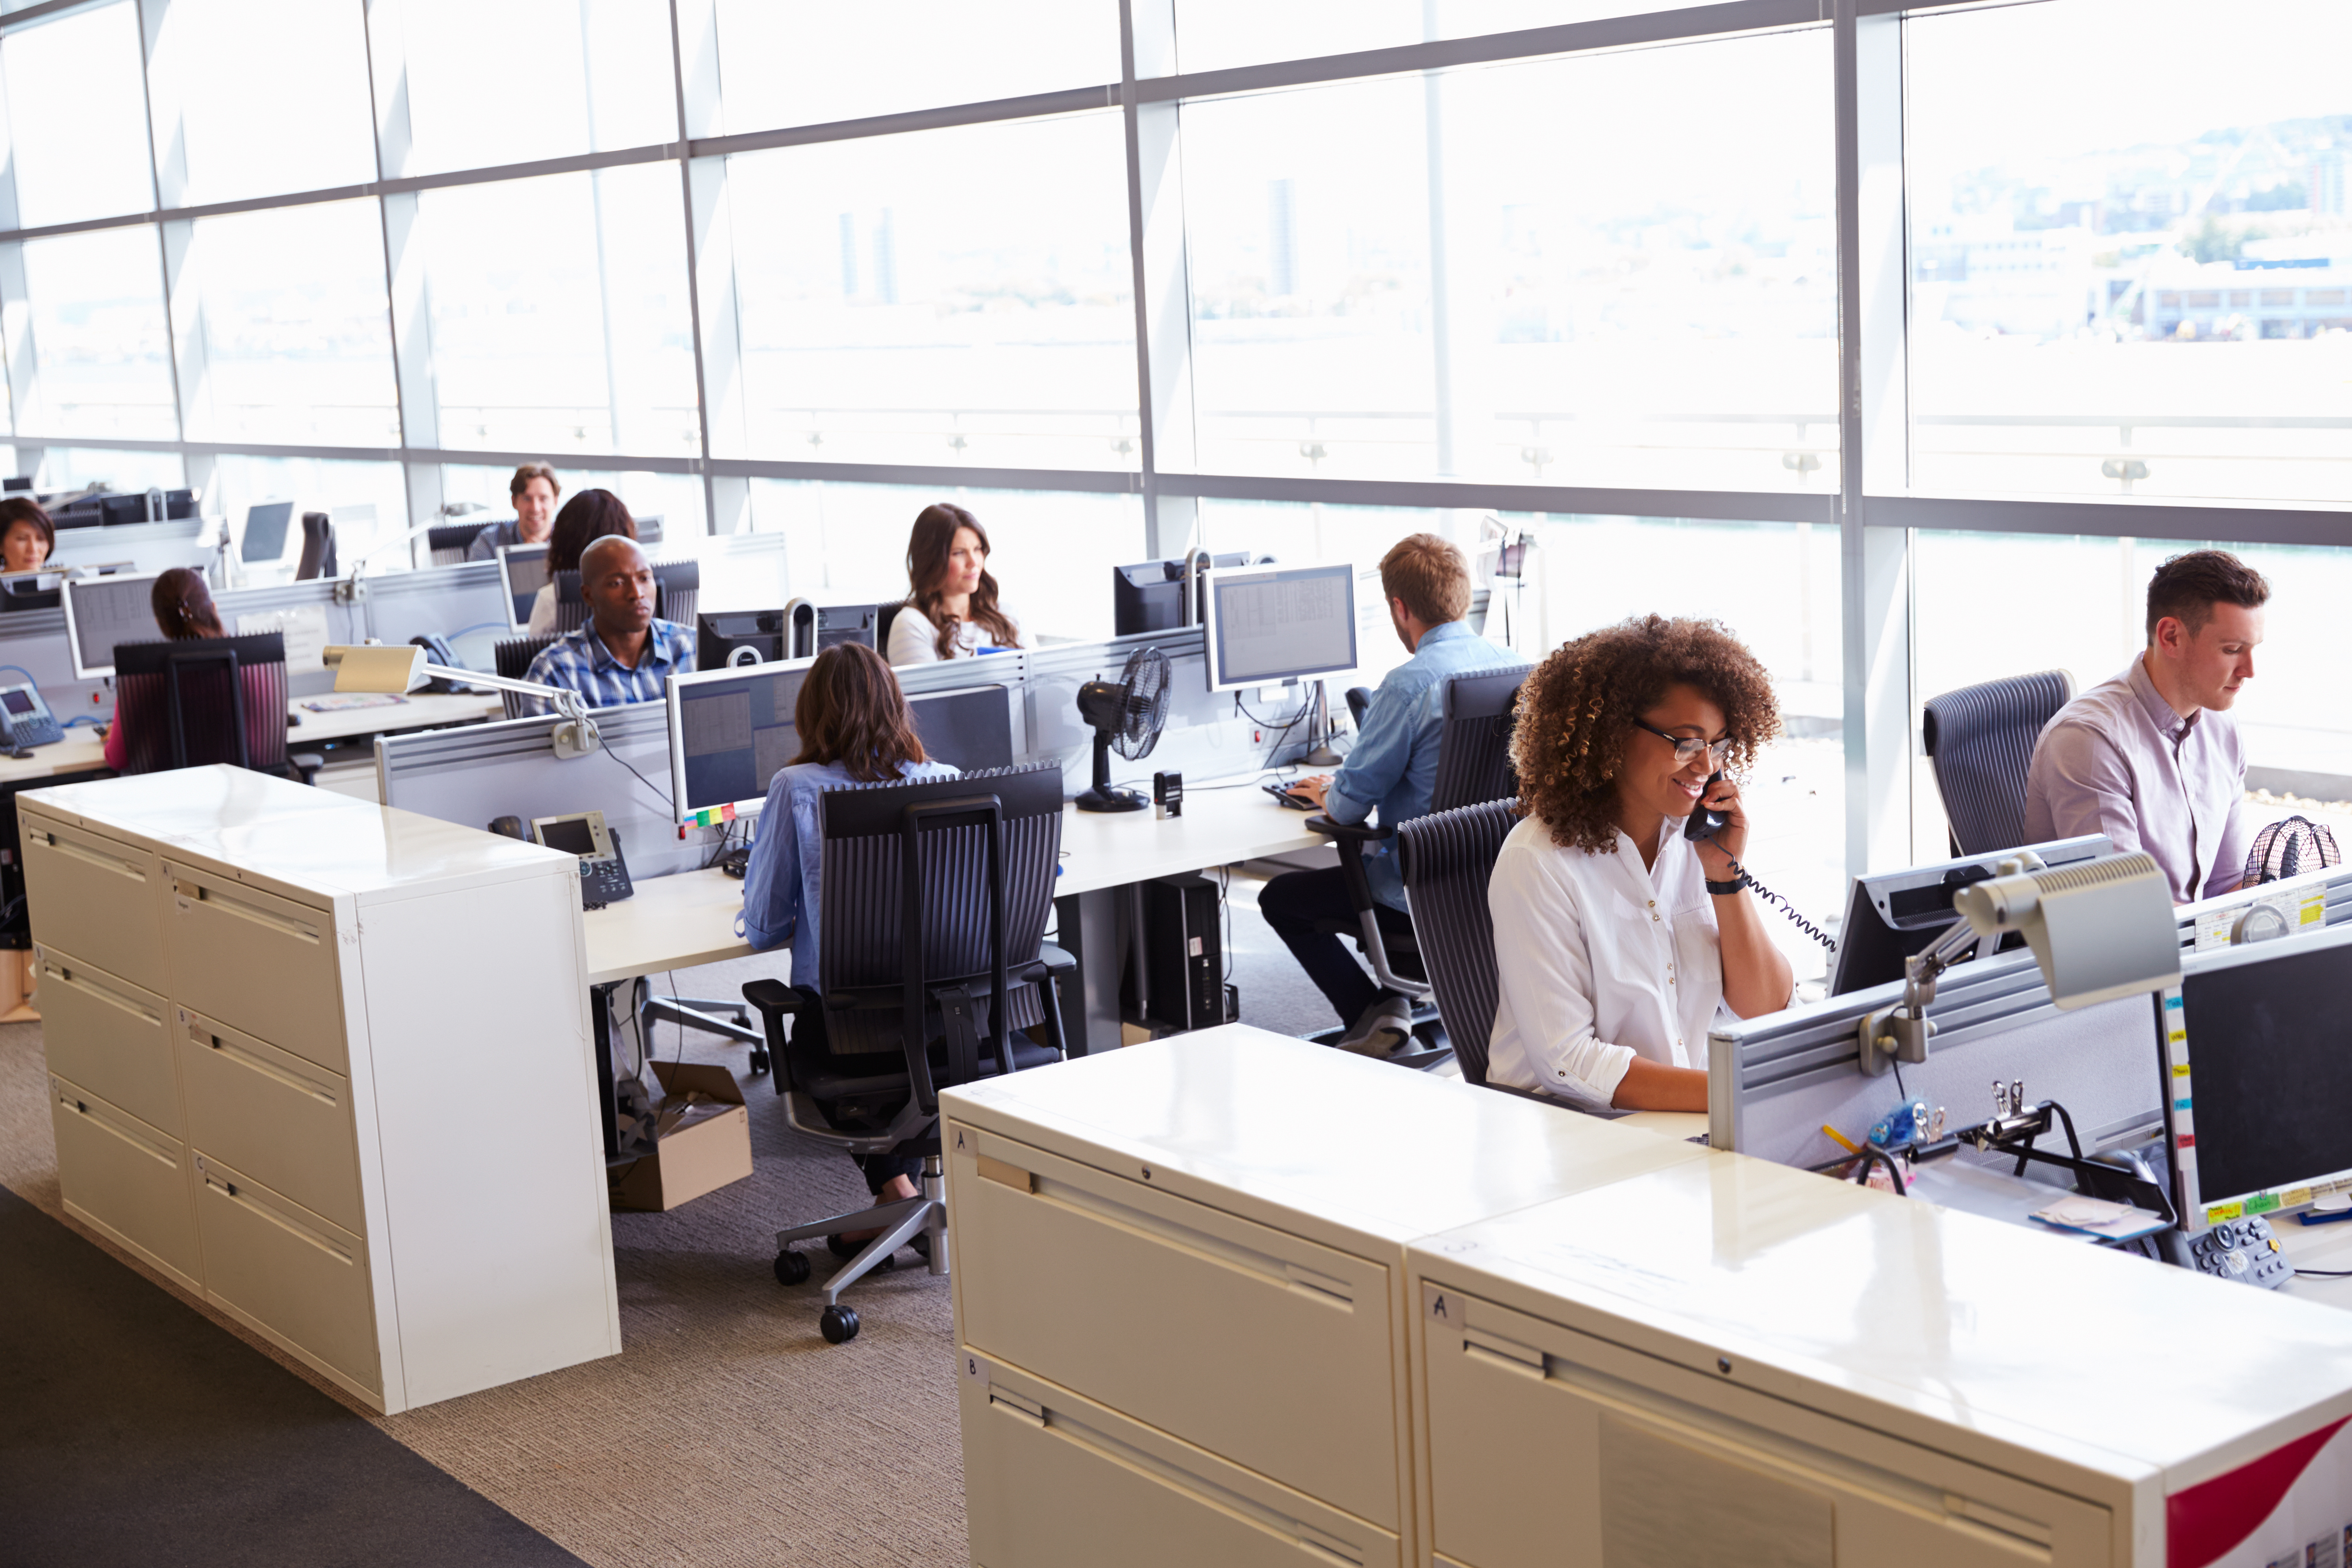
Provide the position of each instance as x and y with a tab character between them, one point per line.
329	1065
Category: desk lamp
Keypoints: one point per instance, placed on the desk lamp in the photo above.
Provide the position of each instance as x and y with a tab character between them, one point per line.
2099	930
373	667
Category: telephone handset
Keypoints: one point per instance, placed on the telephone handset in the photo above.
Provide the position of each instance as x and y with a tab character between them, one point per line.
1705	824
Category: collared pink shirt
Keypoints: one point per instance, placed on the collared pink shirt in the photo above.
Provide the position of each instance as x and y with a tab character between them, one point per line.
2117	760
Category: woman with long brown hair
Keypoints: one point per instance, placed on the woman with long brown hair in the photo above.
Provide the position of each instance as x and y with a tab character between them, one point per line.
1618	937
952	610
183	609
854	728
586	519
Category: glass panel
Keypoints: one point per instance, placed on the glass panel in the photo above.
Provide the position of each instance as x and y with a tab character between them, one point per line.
1051	551
101	350
519	342
1298	534
523	79
958	296
344	491
297	345
1211	35
77	115
675	498
2135	280
788	56
1972	625
239	73
77	469
1662	317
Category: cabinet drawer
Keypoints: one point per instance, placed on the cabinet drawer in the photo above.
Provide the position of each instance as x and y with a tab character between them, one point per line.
1269	1350
288	1269
285	1122
1051	1480
110	1036
256	961
124	1174
96	897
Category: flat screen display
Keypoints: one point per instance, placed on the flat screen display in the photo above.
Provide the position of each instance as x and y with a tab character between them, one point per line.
264	531
103	612
1275	625
733	734
2270	1055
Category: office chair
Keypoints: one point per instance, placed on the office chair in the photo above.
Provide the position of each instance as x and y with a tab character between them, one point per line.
204	700
678	594
318	548
1359	702
936	895
449	542
1474	765
1980	738
884	615
511	657
1447	858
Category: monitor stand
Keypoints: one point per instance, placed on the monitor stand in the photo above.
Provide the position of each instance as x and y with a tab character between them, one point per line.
1320	755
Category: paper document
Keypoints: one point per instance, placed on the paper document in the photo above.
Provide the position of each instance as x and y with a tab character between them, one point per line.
2096	1216
304	629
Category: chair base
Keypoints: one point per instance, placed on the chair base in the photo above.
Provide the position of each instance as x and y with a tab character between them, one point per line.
1426	1048
900	1221
695	1013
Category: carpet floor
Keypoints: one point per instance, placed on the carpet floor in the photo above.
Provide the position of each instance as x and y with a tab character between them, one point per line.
728	1432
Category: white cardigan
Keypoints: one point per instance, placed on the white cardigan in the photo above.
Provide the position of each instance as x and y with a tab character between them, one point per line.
915	640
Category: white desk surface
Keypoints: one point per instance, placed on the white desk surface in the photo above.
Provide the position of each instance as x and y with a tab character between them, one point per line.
82	750
680	921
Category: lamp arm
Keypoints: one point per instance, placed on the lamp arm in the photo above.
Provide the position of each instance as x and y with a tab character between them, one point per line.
567	701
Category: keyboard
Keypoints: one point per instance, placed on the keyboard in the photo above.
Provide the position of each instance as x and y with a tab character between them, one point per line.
1281	792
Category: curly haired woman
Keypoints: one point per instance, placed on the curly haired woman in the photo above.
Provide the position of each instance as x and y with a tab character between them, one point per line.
1616	938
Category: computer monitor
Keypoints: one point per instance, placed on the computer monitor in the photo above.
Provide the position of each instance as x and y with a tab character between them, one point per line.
266	528
738	637
730	731
1150	596
1895	914
522	572
1273	625
970	728
2254	1057
36	590
649	528
103	611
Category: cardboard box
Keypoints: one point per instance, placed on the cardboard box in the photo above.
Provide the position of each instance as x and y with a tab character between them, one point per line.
704	1146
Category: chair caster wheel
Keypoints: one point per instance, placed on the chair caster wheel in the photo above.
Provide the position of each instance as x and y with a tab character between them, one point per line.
759	1063
792	1268
838	1324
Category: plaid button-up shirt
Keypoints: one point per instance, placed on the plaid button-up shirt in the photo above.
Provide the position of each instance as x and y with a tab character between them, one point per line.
579	661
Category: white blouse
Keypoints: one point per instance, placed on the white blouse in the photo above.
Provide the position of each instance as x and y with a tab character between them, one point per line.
1599	960
915	640
543	613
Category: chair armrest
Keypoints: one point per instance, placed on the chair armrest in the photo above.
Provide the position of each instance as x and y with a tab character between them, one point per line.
1051	963
305	765
774	999
1349	831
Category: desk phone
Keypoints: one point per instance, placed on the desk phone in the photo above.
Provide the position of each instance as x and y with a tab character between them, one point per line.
604	873
29	720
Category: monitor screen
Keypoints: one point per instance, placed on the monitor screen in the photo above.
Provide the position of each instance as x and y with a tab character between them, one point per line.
970	729
731	732
103	611
571	834
264	531
523	568
1891	915
17	700
2269	1046
1273	625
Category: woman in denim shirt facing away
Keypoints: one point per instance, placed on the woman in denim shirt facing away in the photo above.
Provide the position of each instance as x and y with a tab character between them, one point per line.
853	728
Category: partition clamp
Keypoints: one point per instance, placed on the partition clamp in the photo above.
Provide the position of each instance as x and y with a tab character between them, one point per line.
1891	1034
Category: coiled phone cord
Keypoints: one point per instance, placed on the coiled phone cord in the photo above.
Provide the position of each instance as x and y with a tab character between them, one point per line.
1768	896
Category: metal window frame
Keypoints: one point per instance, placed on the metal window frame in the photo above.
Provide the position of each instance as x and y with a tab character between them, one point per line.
1873	504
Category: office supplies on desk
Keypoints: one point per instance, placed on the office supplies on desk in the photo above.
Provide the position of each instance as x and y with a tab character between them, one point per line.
1126	715
604	873
1168	794
346	701
102	612
28	720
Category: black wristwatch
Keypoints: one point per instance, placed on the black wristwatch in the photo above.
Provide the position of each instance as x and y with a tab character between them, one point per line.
1731	886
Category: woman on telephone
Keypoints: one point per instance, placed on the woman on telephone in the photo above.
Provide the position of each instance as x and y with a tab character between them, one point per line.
1622	924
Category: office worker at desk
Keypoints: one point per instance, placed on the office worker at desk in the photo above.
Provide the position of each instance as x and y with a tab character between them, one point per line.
2151	758
623	654
854	728
26	534
589	516
532	491
1393	768
183	609
952	610
1616	937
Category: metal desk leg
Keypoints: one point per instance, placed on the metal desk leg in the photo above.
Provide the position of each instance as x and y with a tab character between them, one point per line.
1088	927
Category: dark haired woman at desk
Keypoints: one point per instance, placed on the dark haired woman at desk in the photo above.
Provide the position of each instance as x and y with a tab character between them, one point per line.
183	609
1617	939
586	519
952	610
26	534
854	728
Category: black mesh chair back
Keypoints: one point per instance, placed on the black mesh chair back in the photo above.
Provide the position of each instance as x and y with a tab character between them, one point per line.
1359	702
318	548
512	657
939	882
1474	749
884	615
1980	738
203	700
570	609
450	541
1446	858
677	590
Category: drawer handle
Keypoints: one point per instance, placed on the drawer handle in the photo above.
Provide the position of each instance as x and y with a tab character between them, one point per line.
114	863
244	1058
227	1188
64	972
1290	1277
201	894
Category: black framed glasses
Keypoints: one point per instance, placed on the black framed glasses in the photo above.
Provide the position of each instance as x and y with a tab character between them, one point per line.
1688	747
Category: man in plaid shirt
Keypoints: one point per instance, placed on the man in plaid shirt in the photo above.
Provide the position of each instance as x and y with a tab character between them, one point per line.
623	655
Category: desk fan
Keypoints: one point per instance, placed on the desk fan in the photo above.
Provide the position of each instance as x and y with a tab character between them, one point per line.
1125	713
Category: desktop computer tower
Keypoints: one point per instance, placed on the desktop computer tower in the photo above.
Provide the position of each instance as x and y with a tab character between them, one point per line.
1183	953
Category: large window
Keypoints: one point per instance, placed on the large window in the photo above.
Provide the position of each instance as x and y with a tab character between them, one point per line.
1214	33
2134	280
77	118
100	343
253	98
517	81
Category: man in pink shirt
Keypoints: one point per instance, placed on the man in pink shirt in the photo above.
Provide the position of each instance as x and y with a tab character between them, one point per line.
2151	758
